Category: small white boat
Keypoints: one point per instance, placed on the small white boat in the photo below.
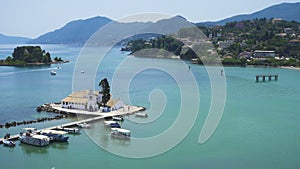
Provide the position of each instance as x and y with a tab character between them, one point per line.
52	73
29	130
118	118
8	143
120	133
141	115
82	71
107	123
84	125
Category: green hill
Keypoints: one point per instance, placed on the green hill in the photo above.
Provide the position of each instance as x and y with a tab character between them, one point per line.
286	11
28	55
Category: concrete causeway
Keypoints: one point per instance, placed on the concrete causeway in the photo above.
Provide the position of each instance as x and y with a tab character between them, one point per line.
126	110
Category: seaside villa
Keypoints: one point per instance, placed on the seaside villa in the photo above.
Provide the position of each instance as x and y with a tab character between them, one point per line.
87	100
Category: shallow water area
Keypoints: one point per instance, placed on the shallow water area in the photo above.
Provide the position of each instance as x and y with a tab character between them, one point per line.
259	127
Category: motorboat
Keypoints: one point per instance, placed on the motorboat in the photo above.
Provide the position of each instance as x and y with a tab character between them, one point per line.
118	118
84	125
107	123
68	130
120	133
112	124
52	73
30	130
141	115
8	143
59	136
34	139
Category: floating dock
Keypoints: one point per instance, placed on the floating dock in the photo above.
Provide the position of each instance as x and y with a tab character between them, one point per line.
263	77
126	110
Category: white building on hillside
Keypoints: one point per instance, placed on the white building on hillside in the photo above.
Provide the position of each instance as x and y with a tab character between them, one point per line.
263	54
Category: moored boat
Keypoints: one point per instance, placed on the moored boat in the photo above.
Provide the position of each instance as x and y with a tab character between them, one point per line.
84	125
34	139
54	135
68	130
8	143
141	115
120	133
112	124
118	118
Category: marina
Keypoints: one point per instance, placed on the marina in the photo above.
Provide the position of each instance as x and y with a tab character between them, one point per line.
99	116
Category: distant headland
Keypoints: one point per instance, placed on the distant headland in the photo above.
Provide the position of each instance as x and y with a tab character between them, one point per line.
30	56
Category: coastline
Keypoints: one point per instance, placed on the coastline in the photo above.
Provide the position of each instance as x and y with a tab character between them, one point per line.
34	64
290	67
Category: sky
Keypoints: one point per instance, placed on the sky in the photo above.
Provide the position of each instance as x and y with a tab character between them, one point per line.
32	18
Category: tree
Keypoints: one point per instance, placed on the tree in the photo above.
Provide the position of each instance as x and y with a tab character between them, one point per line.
58	59
48	60
105	91
8	59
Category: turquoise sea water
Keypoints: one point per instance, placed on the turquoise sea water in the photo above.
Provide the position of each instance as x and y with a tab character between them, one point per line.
259	129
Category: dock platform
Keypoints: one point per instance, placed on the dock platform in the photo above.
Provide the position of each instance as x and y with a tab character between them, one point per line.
263	77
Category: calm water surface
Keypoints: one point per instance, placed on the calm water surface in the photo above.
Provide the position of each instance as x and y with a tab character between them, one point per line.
260	126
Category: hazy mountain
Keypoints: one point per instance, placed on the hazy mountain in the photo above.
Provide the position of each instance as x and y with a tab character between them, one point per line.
12	39
75	32
286	11
78	32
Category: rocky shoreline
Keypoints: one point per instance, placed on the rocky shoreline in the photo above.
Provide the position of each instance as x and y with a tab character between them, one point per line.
2	63
45	108
14	123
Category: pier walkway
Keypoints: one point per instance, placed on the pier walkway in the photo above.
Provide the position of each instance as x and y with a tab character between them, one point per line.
264	77
126	110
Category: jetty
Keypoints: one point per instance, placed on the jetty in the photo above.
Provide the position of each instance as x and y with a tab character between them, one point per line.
263	77
126	110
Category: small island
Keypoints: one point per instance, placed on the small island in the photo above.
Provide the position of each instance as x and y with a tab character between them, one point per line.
30	56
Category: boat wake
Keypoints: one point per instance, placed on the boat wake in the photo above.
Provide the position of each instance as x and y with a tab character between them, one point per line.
25	71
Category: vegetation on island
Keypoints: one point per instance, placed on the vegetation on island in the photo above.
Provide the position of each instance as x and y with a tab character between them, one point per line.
29	55
235	42
163	43
58	59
